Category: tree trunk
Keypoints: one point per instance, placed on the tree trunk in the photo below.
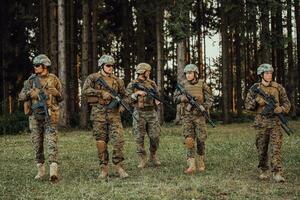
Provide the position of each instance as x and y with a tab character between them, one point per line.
199	38
126	33
291	69
225	64
3	63
265	30
280	45
140	34
44	38
160	65
297	16
181	48
72	68
64	114
53	36
94	35
85	61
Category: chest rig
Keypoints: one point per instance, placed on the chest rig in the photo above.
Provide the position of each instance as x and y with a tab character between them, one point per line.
146	101
196	90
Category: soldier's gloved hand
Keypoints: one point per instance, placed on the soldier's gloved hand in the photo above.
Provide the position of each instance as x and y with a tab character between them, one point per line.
34	93
260	101
106	95
183	99
141	93
53	91
278	110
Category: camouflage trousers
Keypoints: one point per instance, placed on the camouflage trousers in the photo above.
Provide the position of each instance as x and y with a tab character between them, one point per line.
38	134
109	127
147	124
194	131
268	143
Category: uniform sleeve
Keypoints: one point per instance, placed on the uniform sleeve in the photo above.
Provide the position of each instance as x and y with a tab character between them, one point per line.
131	93
121	89
250	103
88	88
208	97
177	96
24	94
58	86
284	100
155	87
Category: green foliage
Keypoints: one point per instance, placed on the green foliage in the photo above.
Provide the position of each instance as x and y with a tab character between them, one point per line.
231	163
13	123
179	20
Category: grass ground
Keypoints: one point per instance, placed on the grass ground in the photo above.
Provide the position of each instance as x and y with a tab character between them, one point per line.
231	169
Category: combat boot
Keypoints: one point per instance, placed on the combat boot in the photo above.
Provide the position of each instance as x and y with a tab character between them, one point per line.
264	175
192	166
153	158
142	161
277	176
201	164
41	171
103	172
120	170
53	172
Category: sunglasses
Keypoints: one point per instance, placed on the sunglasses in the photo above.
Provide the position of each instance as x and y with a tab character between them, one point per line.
108	65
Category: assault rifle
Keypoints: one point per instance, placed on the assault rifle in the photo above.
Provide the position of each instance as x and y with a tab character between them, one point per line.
193	101
117	98
40	109
152	92
269	108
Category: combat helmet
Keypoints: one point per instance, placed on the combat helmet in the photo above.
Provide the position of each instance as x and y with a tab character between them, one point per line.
42	59
264	68
142	68
191	68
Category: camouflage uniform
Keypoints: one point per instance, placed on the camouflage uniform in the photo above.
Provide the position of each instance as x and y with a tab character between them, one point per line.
105	120
268	127
37	125
193	123
147	120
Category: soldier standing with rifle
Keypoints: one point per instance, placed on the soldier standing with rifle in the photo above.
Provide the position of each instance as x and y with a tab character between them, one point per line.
41	94
196	99
144	96
270	101
104	92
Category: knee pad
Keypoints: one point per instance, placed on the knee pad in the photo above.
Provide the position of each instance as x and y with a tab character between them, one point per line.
189	142
101	146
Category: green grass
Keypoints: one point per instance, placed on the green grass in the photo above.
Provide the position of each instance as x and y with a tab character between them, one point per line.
231	169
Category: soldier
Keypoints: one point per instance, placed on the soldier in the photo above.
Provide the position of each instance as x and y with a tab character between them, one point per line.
193	122
43	81
268	127
106	122
146	119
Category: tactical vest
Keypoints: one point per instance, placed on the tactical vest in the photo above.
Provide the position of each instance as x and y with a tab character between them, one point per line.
111	81
196	90
48	81
273	90
146	101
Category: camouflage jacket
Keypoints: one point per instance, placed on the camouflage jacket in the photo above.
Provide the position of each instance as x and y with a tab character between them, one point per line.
200	90
255	102
47	82
139	101
94	92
